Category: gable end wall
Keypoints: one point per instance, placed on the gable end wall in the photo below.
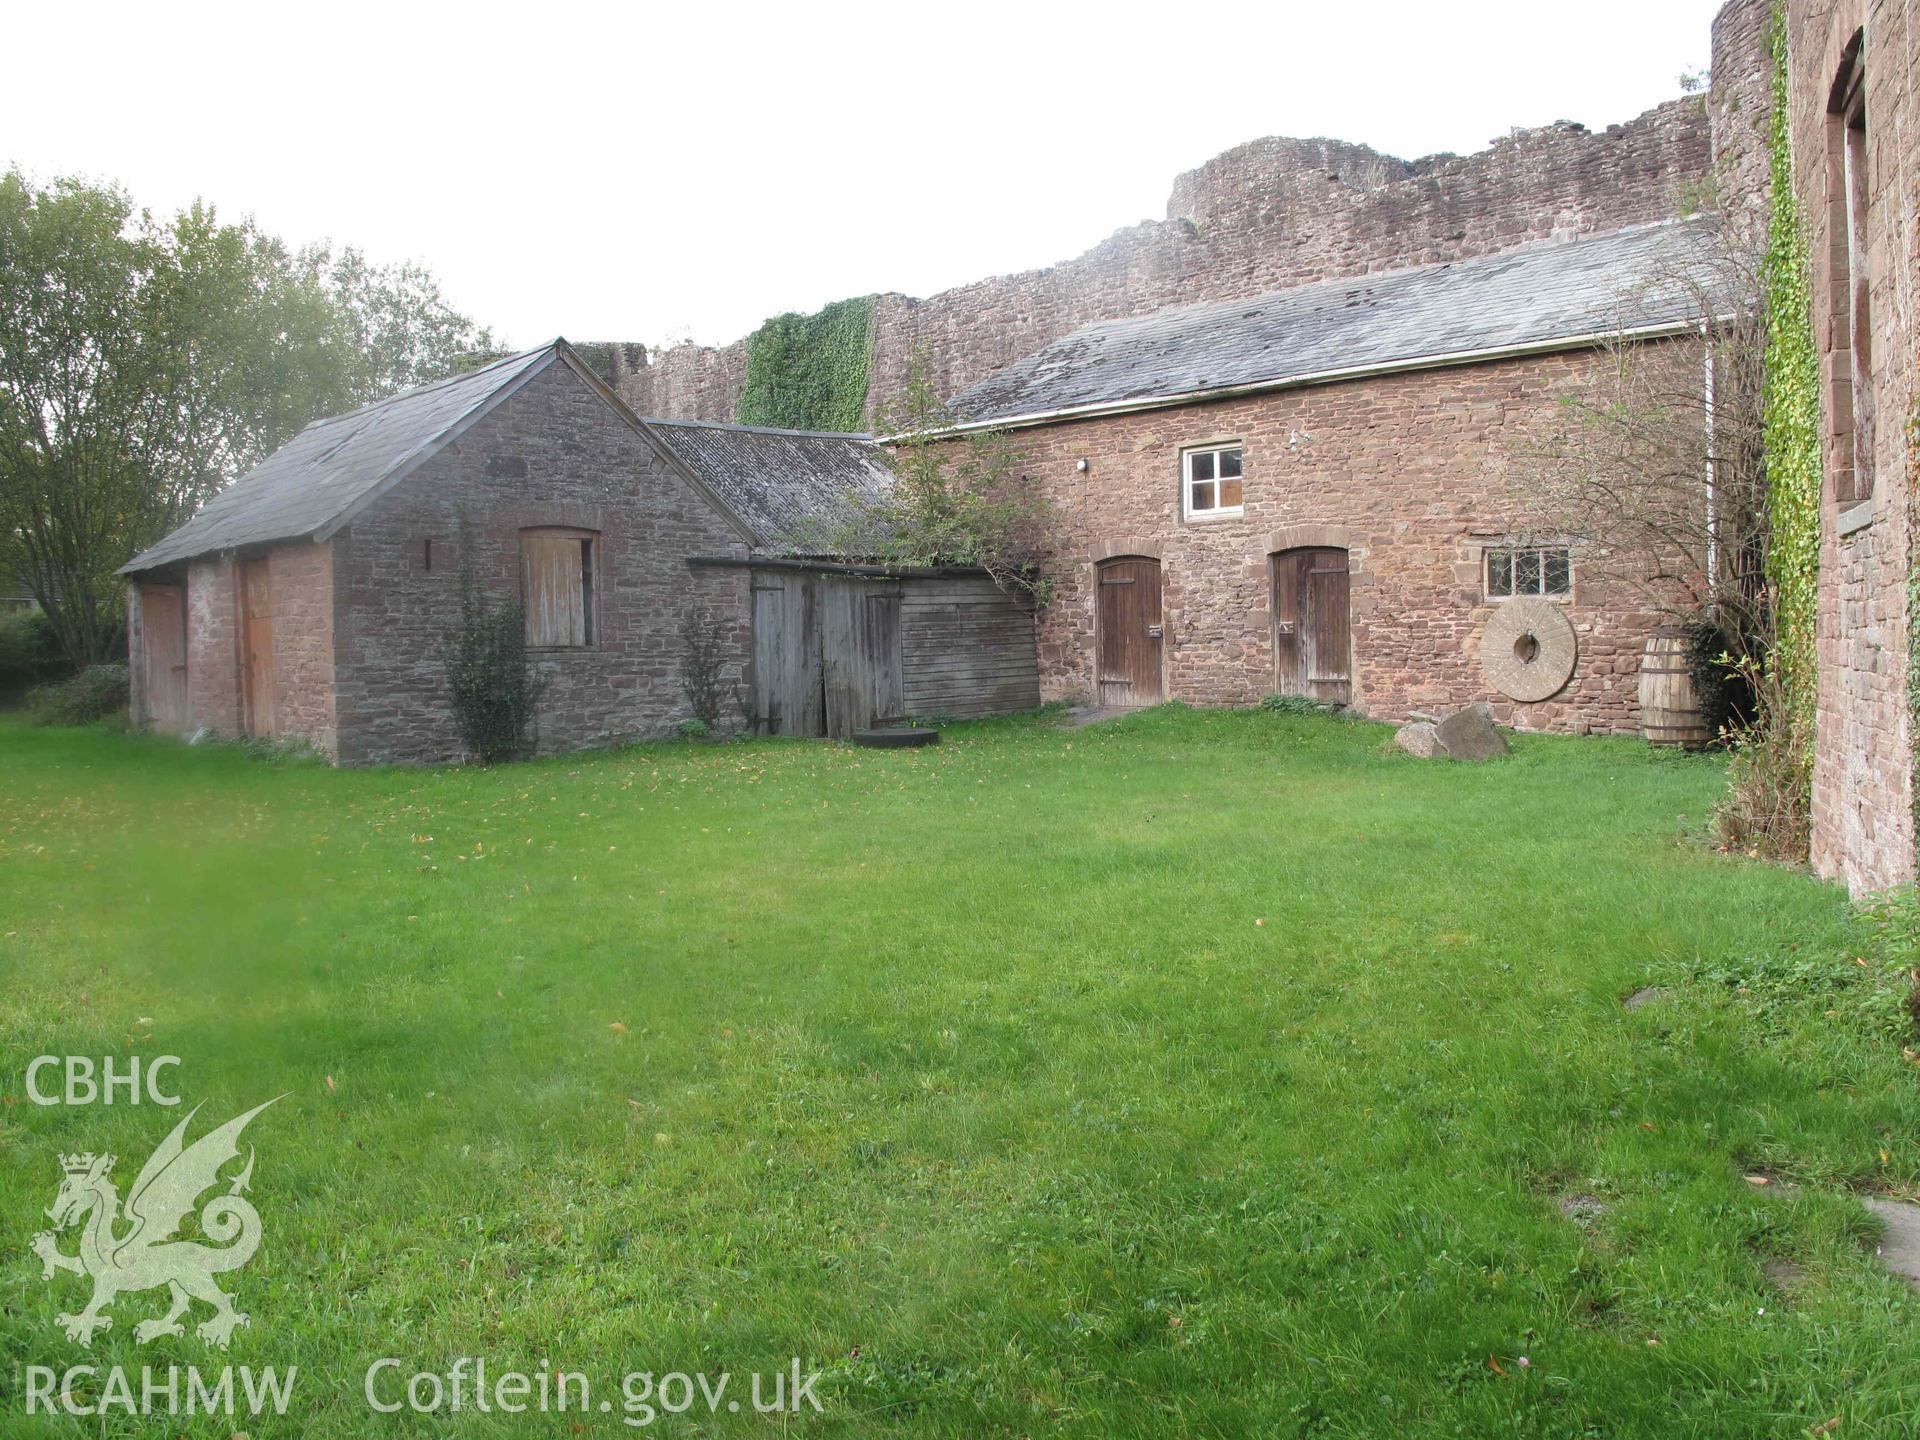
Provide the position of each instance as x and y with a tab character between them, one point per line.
553	454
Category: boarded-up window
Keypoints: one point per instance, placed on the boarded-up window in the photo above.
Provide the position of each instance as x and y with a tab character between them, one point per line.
556	576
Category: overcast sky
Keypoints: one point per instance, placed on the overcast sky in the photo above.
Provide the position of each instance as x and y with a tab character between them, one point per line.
645	171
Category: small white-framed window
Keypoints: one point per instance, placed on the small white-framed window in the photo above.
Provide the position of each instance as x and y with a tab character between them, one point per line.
1210	482
1529	570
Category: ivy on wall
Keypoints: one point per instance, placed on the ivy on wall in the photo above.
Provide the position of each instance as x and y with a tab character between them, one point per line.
1913	601
1791	427
809	372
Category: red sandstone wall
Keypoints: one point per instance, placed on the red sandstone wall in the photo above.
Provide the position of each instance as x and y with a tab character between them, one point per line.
554	454
1413	474
1265	215
300	576
1863	819
213	645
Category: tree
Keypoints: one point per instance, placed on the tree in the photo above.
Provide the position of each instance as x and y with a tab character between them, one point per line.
1674	500
1656	473
955	499
145	363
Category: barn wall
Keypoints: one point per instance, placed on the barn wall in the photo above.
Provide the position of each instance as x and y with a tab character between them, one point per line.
301	579
1412	474
552	455
967	648
213	645
1863	818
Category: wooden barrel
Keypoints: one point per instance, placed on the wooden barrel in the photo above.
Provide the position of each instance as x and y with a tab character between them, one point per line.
1669	707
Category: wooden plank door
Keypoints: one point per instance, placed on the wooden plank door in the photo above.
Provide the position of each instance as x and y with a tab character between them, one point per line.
1312	631
163	643
256	646
788	685
1128	629
860	645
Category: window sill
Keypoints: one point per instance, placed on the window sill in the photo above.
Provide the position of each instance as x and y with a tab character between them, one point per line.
1854	518
1207	517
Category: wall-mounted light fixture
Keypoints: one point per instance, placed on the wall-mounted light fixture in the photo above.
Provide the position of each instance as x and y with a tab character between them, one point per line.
1082	465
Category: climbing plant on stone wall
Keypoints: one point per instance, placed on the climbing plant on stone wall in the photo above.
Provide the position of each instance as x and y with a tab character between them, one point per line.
1913	597
1792	424
1768	807
809	372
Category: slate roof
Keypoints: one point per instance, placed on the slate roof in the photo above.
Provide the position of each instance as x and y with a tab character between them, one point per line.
318	480
1527	298
794	489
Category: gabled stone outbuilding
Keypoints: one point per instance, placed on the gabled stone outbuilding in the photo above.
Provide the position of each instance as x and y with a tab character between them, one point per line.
314	597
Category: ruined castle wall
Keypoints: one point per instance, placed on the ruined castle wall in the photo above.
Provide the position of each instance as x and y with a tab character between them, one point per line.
1259	217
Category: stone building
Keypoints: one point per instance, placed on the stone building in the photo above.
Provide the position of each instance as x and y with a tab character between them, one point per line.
1854	118
1331	489
315	597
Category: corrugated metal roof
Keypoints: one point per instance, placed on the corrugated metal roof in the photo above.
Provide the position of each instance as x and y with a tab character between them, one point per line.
1640	278
321	477
796	490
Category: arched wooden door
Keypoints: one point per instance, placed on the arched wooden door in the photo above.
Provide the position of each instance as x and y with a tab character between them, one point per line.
1312	636
1128	632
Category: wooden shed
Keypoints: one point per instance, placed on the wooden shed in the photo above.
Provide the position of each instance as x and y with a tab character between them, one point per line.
839	648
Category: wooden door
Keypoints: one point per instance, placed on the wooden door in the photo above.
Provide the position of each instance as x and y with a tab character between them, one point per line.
256	646
1128	632
163	646
789	695
1312	636
860	646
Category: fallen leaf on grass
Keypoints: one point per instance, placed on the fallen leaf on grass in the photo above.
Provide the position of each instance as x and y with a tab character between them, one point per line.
1758	1180
1494	1366
330	1084
1824	1427
617	1028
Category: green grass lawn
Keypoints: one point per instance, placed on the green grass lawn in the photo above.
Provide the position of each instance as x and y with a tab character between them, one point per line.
1199	1074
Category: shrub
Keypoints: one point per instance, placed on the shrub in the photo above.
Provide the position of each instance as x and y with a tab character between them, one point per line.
695	730
30	652
1723	688
494	690
1291	705
97	693
702	671
1767	808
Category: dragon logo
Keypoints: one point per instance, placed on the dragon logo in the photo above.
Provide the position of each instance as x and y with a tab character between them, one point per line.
138	1250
